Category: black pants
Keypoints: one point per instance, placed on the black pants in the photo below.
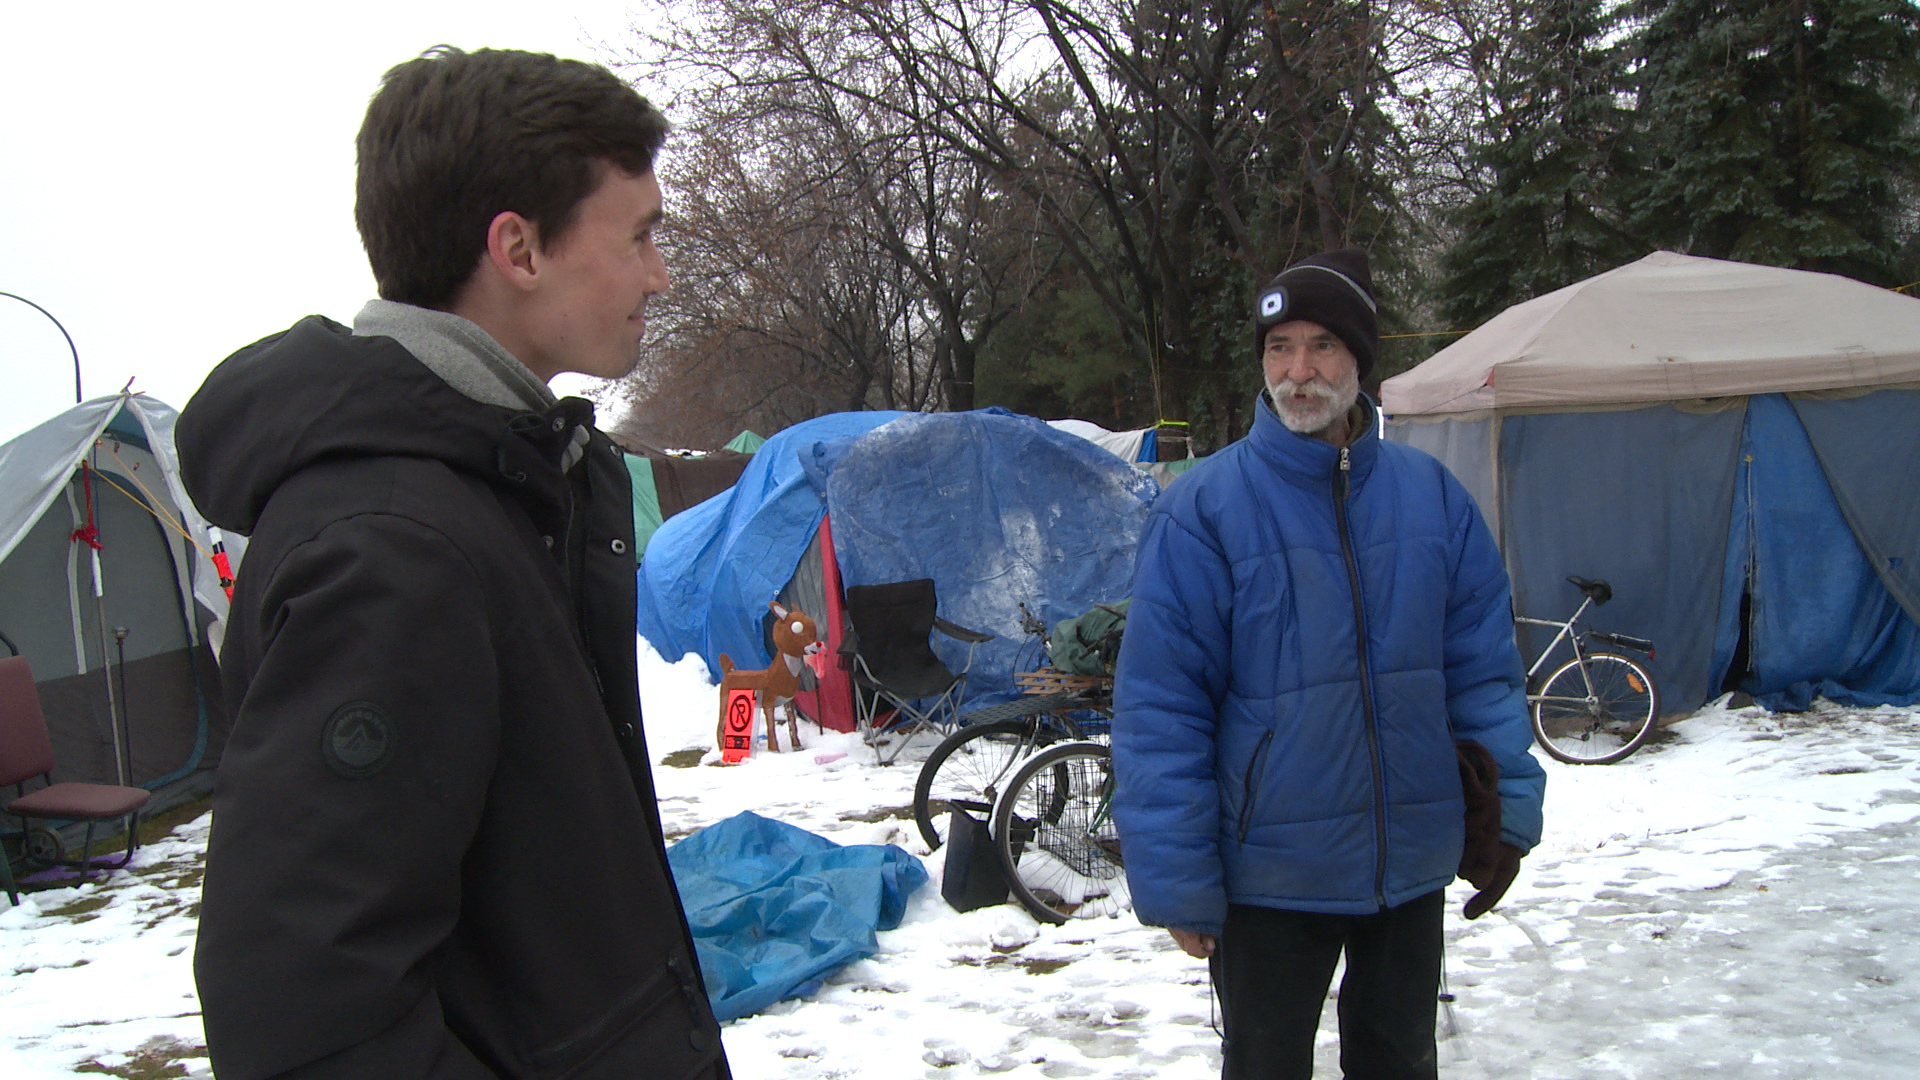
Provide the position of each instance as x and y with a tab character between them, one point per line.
1272	971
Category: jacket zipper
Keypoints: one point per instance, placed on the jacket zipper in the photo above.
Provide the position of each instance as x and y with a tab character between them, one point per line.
1247	788
1341	489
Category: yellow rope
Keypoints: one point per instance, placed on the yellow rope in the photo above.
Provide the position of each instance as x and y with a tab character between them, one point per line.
1907	286
158	514
152	504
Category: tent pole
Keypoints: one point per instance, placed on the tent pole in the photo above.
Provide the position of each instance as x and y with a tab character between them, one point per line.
106	671
124	747
91	535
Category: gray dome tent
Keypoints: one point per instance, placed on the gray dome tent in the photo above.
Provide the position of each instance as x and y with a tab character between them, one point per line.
1732	446
108	466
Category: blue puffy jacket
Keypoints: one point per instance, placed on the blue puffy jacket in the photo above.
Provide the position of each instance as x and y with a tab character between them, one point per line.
1306	643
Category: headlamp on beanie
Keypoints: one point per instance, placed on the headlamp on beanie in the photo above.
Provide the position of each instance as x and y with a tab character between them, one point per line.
1334	289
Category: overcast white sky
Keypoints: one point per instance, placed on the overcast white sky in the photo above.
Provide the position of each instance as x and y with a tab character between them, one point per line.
178	178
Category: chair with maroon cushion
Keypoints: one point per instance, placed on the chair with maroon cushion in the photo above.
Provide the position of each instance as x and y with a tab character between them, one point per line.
26	752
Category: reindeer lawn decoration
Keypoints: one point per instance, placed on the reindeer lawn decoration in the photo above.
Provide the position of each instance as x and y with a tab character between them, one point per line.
794	641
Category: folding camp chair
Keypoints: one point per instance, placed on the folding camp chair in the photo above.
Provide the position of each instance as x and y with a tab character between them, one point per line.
900	685
26	752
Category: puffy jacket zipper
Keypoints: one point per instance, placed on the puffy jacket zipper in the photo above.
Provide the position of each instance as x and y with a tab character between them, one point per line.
1247	787
1342	487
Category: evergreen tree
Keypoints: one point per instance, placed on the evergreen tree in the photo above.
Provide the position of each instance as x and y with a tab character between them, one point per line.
1779	131
1553	147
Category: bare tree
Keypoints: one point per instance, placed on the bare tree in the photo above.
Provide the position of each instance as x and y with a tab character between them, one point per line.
847	260
1164	154
783	306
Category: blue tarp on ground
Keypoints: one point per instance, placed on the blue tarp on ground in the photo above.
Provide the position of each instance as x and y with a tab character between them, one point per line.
775	909
996	508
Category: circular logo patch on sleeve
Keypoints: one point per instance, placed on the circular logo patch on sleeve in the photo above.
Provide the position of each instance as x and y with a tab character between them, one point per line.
358	740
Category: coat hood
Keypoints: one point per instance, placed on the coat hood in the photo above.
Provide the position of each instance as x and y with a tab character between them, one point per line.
316	391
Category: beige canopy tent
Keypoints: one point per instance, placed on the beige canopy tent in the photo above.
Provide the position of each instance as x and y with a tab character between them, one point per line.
1670	328
1731	446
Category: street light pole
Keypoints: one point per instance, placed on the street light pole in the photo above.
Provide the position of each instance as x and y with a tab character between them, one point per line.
63	333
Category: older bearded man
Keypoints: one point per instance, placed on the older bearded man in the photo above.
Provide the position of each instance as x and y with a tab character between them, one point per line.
1317	617
1312	379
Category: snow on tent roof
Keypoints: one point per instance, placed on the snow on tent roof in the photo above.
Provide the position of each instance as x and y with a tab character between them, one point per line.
1671	327
1125	445
998	509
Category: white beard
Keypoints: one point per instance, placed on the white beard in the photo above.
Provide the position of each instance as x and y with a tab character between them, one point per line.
1330	402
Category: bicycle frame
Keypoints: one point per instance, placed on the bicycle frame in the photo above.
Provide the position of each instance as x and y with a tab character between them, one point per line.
1567	633
1582	722
1575	639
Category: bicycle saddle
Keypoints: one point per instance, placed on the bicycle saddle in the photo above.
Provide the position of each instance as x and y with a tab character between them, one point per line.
1597	591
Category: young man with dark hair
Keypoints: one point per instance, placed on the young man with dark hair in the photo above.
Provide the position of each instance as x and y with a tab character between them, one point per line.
1318	615
436	850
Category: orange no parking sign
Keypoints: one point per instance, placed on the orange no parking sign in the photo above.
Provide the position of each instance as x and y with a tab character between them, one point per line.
736	741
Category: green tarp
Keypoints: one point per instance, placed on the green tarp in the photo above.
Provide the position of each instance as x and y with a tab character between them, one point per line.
745	443
646	501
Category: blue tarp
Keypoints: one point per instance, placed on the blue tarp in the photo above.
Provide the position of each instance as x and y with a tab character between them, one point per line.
996	508
710	570
775	909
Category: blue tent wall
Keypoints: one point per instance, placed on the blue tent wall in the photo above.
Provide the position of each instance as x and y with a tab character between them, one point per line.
1464	445
1811	497
1823	621
1640	498
1869	450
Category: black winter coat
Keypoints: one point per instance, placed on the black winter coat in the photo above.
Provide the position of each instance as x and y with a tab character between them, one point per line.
436	850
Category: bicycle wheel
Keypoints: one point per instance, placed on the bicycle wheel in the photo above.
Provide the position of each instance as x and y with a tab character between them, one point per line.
969	769
1600	727
1054	830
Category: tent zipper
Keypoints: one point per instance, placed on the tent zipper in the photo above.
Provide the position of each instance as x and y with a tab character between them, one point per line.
1342	487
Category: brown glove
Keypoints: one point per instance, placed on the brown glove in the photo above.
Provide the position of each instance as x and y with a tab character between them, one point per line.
1492	890
1486	861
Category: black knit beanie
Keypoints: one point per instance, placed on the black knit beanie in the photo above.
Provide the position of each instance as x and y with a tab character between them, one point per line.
1334	289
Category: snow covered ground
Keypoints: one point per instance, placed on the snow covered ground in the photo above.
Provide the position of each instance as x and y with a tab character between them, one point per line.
1737	899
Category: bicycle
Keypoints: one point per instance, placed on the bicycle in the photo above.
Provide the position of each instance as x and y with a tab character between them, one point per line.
968	769
1598	707
1054	830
